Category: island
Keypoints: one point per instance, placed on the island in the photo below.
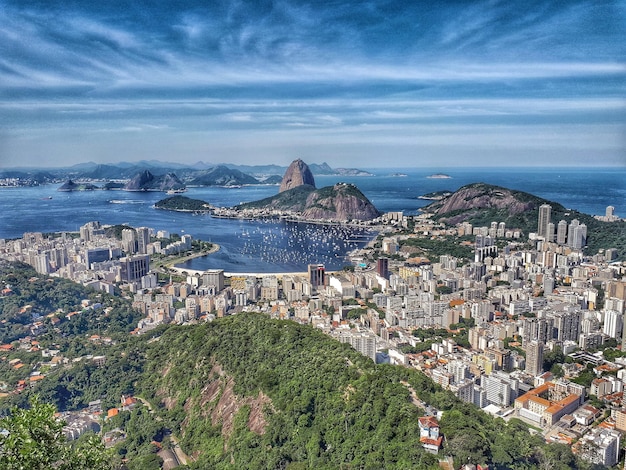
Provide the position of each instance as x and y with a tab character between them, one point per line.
435	195
183	204
439	176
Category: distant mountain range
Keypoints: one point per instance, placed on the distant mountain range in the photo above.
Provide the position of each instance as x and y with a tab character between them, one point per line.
194	174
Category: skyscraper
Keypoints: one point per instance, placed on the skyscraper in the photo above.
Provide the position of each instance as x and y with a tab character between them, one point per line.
534	358
382	267
129	240
544	220
561	232
143	239
316	275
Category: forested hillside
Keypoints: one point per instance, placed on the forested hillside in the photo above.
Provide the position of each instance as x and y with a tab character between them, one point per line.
251	392
246	391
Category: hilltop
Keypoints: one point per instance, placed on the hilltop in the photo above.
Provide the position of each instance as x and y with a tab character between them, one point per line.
299	196
146	181
481	203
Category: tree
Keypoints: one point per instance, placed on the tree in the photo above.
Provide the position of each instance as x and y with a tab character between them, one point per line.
33	438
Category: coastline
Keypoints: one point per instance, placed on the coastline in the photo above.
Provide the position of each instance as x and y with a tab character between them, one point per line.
182	259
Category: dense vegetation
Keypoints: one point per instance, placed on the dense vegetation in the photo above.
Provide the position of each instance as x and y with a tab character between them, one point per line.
317	403
32	439
293	199
182	203
46	295
433	248
329	406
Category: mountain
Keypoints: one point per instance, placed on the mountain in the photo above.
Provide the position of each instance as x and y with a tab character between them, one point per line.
272	179
146	181
485	200
322	169
222	176
297	174
297	195
341	202
70	185
481	203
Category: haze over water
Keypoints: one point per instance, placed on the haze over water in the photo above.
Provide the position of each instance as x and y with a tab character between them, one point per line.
257	246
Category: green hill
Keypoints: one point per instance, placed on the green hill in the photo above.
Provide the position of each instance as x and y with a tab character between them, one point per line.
480	204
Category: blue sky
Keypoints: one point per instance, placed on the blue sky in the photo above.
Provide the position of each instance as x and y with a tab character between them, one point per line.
355	84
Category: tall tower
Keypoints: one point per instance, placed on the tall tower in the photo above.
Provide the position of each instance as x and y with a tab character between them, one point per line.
382	267
143	239
544	220
129	241
316	275
561	233
534	358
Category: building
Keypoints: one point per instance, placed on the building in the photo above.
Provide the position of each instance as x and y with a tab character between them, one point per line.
143	239
613	323
500	388
213	278
316	275
363	342
561	232
534	358
133	268
382	267
548	403
600	446
129	241
544	220
429	434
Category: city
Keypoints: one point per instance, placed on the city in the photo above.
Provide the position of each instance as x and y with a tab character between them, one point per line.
519	330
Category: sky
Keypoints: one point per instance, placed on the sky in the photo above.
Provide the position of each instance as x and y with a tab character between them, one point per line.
355	84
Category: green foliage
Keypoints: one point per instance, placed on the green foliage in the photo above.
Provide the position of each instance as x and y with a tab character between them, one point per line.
48	295
33	439
328	413
182	203
433	248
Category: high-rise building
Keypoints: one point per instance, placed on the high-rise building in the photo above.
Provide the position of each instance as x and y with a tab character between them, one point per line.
544	220
143	239
576	235
579	237
561	232
382	267
129	240
613	323
133	268
316	275
213	278
534	358
550	236
610	212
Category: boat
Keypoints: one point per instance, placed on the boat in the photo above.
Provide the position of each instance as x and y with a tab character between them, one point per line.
176	191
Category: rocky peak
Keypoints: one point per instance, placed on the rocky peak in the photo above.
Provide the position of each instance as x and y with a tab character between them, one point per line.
297	174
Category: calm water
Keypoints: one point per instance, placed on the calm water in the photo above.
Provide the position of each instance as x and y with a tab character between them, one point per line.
250	246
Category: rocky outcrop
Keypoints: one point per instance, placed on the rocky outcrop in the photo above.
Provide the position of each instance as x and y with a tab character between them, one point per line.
146	181
485	196
339	202
221	175
298	174
70	185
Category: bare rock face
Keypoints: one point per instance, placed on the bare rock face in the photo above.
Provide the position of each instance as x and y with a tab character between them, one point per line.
297	174
481	196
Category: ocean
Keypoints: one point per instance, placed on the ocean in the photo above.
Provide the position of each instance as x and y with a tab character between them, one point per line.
261	246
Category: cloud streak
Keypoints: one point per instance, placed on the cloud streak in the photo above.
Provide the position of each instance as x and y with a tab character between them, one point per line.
79	66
